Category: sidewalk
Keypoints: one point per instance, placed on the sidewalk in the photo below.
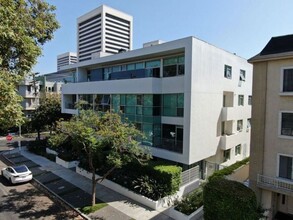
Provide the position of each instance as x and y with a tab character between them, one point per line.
119	206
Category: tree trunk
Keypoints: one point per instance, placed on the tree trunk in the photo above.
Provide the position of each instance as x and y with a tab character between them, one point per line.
93	187
39	135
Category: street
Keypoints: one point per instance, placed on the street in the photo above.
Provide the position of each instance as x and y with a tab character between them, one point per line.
24	201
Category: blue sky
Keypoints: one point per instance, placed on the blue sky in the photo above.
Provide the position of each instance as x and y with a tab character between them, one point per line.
238	26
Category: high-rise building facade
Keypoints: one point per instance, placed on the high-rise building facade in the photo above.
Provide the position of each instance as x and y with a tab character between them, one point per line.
104	30
192	100
66	59
271	160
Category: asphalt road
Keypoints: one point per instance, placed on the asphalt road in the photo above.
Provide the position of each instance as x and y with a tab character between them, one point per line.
24	201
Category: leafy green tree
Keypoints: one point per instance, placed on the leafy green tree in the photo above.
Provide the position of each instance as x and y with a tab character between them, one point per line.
25	25
102	138
47	113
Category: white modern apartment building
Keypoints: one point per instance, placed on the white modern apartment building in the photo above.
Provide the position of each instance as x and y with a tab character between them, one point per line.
29	90
191	99
271	161
103	30
66	59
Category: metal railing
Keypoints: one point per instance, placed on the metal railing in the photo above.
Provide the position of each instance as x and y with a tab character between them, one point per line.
189	175
274	182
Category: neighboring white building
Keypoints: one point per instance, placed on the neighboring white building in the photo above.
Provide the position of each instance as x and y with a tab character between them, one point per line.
103	30
29	90
66	59
191	99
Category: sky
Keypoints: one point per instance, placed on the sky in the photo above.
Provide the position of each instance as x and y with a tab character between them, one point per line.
239	26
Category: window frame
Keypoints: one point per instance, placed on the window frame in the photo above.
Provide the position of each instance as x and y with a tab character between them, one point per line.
237	150
278	166
280	126
242	102
282	92
224	155
241	129
243	74
249	100
226	67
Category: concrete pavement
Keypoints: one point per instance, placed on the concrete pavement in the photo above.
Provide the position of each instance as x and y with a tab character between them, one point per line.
120	207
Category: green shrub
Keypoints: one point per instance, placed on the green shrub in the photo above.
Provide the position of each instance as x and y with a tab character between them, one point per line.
191	202
37	147
228	170
226	199
153	181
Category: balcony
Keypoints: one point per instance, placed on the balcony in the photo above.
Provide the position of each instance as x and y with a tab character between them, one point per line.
234	113
230	141
275	184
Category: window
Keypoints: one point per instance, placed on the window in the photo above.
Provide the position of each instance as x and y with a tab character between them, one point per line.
249	100
242	75
173	66
288	80
29	88
240	100
172	137
228	72
287	124
239	125
286	167
227	155
248	124
238	150
173	105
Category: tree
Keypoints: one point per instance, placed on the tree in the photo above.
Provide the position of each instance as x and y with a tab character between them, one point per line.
47	113
102	138
226	199
25	25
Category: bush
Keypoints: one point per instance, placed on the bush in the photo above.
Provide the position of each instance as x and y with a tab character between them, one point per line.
38	147
153	181
226	199
228	170
191	202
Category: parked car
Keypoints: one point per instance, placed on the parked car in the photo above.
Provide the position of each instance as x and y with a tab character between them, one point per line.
17	174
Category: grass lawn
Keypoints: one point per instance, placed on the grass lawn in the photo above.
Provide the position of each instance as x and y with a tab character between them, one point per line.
90	209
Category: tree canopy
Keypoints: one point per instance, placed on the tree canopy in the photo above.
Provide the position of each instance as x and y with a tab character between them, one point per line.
101	138
25	25
47	113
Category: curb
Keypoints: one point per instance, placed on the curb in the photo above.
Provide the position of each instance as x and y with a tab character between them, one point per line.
50	193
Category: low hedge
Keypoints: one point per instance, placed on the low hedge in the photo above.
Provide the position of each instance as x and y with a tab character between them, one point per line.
228	170
154	181
226	199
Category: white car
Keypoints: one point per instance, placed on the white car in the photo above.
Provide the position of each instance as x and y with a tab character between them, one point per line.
17	174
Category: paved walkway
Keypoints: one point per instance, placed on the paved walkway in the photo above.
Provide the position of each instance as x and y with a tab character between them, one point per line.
120	207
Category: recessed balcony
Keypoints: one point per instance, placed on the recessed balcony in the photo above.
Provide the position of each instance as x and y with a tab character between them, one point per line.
230	141
234	113
275	184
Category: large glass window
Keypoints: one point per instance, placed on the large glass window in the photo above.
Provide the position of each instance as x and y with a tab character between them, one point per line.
173	66
287	124
102	103
288	80
172	138
173	105
286	167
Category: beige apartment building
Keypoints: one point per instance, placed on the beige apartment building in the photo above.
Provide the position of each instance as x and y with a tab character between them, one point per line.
271	158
